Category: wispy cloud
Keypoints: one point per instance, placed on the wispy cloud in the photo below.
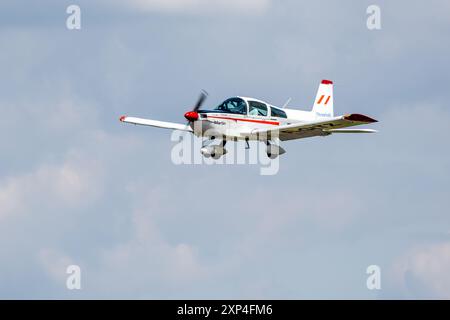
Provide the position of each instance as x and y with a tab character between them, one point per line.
422	272
72	183
249	7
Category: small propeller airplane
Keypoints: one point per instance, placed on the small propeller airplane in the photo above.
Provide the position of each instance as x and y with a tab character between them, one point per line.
243	118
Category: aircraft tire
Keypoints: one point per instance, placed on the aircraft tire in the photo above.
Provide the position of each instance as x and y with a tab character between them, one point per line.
272	156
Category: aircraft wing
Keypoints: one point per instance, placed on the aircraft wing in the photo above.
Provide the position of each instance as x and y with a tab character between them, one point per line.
155	123
317	128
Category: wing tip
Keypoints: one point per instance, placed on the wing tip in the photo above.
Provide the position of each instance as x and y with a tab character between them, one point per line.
122	118
359	118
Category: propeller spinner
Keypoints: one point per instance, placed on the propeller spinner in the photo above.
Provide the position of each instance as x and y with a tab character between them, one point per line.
192	116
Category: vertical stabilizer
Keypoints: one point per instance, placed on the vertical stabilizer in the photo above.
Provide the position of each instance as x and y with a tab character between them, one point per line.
323	105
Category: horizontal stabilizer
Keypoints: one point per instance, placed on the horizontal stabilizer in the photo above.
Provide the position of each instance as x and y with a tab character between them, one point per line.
350	130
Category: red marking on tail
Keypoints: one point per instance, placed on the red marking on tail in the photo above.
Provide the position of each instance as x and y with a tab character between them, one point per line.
320	100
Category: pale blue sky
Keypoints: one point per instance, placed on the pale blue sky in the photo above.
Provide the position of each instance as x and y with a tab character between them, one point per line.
79	187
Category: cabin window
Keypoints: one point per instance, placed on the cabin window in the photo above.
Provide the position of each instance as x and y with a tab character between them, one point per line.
278	113
233	105
257	108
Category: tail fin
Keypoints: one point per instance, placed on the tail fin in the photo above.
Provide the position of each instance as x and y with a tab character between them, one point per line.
323	105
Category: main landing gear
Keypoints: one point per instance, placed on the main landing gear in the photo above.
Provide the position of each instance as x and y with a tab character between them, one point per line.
215	151
273	149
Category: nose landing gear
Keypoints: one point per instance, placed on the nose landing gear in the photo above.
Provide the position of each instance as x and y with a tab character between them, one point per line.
214	151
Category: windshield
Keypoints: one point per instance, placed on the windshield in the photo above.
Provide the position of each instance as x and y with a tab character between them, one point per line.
233	105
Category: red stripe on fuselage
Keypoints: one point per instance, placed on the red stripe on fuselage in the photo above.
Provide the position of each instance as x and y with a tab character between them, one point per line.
247	120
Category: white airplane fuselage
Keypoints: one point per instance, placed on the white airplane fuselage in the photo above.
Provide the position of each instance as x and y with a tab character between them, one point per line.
232	126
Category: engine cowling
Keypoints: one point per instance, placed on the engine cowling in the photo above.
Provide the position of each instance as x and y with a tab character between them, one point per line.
213	151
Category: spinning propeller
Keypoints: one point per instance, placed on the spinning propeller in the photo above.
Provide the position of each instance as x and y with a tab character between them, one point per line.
192	115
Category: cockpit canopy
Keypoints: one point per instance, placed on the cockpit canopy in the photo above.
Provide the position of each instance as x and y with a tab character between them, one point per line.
233	105
256	108
249	106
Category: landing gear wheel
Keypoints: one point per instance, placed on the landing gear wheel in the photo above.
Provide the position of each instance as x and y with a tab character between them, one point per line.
272	156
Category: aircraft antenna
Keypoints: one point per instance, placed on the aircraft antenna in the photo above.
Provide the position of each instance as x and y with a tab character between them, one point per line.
286	103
